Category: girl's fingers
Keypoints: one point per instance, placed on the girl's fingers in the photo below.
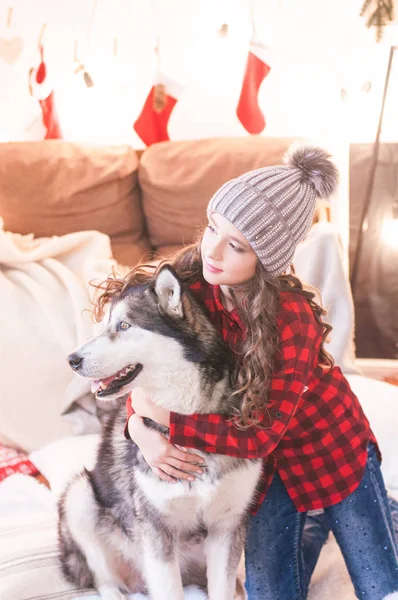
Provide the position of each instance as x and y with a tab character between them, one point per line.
184	466
176	473
162	475
186	456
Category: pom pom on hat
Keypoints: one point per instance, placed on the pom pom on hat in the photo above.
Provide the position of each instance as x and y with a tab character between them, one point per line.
316	168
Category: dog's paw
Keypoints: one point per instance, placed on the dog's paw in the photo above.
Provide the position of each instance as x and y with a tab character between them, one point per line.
191	592
111	594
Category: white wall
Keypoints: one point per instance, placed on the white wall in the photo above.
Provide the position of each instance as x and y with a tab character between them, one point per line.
317	47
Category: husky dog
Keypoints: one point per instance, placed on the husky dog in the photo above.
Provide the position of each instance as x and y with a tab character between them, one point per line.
121	528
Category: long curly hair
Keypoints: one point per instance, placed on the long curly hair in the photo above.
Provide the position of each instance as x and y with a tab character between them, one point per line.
258	307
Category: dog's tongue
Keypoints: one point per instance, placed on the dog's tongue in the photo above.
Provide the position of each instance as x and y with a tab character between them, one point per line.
97	382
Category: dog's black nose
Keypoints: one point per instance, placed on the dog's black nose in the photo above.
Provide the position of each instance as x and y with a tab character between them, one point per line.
75	361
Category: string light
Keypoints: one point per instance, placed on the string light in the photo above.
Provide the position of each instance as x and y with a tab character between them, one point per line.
389	233
88	80
389	230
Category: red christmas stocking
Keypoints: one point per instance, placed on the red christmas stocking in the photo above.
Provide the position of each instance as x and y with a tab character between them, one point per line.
41	90
153	120
257	68
50	118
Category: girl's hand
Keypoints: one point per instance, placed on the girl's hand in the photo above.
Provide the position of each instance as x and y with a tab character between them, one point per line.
143	407
168	462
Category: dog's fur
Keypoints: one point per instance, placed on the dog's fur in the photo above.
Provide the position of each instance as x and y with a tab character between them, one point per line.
120	526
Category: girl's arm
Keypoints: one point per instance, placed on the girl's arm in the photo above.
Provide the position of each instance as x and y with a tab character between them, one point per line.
166	460
298	350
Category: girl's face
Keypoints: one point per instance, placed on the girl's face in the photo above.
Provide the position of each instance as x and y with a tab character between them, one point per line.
228	258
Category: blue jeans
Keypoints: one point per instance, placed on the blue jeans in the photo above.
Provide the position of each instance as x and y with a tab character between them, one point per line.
282	549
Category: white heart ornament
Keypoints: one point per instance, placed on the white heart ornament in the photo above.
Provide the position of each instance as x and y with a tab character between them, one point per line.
10	50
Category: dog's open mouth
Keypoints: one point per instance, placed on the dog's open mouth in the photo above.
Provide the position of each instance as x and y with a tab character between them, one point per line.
111	385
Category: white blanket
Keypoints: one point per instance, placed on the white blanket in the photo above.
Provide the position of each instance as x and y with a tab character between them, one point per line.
44	293
29	557
29	561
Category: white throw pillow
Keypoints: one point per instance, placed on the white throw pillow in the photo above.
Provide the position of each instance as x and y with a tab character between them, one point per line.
380	403
60	460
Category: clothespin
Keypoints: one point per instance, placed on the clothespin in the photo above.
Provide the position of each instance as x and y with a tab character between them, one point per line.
88	80
9	17
41	34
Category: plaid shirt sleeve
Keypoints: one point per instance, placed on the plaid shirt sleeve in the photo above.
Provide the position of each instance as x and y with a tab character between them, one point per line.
299	341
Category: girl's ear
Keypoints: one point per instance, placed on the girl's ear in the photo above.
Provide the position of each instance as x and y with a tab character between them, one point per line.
169	292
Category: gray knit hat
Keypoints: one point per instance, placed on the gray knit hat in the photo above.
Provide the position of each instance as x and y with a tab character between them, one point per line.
273	207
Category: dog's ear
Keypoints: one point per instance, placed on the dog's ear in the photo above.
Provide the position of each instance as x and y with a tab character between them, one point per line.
168	290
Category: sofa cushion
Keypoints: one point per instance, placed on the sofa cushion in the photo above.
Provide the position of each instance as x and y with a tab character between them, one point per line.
166	251
129	254
55	187
178	179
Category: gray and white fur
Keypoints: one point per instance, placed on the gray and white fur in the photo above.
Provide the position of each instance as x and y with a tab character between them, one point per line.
121	528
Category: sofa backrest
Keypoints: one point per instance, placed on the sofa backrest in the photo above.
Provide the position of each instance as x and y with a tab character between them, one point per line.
177	180
155	200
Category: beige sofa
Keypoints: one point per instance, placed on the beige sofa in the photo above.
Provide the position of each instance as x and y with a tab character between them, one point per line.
146	202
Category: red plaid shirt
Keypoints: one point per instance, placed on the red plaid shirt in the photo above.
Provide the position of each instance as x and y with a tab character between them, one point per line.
318	435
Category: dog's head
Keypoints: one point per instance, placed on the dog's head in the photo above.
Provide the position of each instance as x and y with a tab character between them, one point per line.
155	332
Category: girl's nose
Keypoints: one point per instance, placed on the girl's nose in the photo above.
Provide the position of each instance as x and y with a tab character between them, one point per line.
215	251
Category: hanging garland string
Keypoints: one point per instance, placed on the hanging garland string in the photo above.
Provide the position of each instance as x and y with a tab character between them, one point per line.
379	13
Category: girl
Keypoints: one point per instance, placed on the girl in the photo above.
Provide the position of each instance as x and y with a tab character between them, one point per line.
298	412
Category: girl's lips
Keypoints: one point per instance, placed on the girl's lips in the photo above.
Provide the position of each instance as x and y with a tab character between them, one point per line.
212	269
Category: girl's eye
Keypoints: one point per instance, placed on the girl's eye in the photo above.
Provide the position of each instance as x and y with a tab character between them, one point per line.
211	228
122	326
236	248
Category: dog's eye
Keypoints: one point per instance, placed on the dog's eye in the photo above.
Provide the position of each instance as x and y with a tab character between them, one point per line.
122	326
